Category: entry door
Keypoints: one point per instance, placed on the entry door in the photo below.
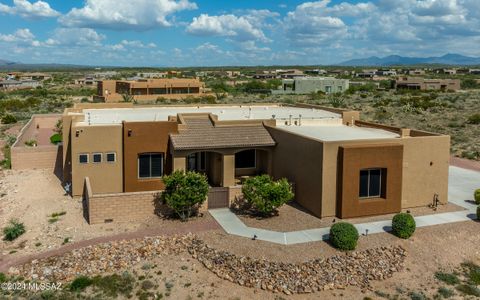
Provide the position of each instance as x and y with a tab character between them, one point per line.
196	162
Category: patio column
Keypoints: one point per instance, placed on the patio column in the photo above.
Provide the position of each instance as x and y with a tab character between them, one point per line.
228	170
179	163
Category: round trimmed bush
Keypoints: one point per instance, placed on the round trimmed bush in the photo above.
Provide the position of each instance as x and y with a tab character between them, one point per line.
344	236
478	212
403	225
476	196
56	138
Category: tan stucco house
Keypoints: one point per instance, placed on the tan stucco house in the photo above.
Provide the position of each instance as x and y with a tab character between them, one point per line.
340	166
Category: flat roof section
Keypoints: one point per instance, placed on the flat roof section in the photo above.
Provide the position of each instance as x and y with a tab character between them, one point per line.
243	112
340	132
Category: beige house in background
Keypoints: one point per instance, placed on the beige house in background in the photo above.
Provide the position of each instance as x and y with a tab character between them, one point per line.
149	89
340	166
419	83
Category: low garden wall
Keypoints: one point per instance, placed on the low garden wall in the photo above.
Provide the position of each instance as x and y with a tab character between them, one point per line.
130	207
42	156
120	207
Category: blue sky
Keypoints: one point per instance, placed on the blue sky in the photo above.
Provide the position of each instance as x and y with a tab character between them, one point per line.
246	32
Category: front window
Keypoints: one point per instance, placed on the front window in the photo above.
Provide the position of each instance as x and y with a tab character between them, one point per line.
97	157
150	165
83	158
371	183
111	157
245	159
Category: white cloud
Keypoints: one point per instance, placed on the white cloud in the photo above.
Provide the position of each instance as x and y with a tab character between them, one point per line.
74	37
236	28
21	37
310	24
25	9
124	14
125	44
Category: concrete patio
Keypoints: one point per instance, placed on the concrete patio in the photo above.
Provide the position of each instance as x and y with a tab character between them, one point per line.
462	183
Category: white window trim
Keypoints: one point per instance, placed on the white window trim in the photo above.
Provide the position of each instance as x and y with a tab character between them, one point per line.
254	160
88	158
368	184
151	177
114	157
93	157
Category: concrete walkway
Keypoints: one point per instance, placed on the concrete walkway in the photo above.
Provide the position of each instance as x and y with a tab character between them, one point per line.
462	183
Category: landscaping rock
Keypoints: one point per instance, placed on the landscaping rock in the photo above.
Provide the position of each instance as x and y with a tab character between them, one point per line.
336	272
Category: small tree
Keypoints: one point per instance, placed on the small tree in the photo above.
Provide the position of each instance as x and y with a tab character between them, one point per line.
185	192
59	126
266	195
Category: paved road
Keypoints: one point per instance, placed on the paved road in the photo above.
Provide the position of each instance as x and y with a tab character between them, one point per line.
462	183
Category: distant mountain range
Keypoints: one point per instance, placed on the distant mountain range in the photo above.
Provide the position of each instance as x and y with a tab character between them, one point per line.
6	65
396	60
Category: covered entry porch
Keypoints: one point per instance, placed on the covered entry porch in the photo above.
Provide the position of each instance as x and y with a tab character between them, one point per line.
225	167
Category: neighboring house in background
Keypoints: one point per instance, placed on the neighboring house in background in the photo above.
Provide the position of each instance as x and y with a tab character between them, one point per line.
416	72
19	84
386	72
316	72
29	76
152	75
307	85
340	166
419	83
88	80
445	71
149	89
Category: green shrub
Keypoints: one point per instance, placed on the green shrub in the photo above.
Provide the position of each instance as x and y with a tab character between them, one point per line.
344	236
476	196
478	212
265	195
115	284
14	230
185	192
31	143
9	119
446	292
80	283
56	138
448	278
472	272
468	290
403	225
3	277
474	119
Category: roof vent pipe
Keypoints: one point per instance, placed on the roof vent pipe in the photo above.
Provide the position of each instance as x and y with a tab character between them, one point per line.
290	120
300	120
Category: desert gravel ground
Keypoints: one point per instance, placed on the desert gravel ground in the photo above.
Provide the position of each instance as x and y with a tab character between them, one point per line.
32	196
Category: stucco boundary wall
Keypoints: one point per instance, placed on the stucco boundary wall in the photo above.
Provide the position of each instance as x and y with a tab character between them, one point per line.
128	207
40	157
